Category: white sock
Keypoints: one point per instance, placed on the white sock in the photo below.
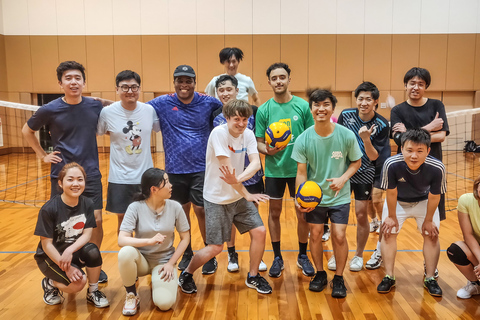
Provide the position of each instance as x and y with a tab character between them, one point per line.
92	287
378	247
375	219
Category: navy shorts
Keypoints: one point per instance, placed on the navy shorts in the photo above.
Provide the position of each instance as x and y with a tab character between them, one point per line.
119	196
187	187
337	214
256	188
93	190
275	187
361	192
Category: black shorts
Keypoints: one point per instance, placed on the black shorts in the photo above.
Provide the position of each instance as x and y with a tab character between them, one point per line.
361	191
256	188
187	187
275	187
93	190
52	271
337	214
119	196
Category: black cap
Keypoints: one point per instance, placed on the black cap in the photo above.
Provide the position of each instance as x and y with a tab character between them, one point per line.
184	70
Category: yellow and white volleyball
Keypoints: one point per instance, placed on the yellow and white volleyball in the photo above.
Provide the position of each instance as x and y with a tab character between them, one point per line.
309	194
278	134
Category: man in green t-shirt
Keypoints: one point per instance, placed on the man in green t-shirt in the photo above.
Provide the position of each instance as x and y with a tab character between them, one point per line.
280	169
329	155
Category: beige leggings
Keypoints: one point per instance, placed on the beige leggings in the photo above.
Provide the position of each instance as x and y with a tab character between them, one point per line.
131	263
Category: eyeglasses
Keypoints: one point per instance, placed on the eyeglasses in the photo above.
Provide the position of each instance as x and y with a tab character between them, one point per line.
125	88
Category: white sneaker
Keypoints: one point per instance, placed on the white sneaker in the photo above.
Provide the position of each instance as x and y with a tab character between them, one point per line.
469	290
51	294
97	298
232	262
356	264
131	304
375	260
326	235
262	266
374	225
332	264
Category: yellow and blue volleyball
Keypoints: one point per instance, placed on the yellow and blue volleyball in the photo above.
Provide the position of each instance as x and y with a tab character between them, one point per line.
278	134
309	194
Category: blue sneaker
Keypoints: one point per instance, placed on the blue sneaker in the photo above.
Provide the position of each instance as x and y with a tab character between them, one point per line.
276	268
304	263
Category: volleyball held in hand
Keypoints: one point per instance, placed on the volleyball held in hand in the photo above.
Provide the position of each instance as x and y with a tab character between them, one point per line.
278	135
309	194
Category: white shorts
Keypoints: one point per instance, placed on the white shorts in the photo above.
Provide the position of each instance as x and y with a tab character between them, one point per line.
416	210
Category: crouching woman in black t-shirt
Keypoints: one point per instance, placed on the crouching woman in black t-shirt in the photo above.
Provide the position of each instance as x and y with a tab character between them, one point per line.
65	225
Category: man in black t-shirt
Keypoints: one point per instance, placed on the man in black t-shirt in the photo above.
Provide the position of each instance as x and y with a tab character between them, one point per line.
414	182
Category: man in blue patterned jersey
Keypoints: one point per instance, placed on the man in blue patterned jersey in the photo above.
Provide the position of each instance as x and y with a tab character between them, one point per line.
185	122
414	181
371	131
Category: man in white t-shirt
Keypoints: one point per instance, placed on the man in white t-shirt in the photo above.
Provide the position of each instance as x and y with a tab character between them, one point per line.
129	124
230	58
226	200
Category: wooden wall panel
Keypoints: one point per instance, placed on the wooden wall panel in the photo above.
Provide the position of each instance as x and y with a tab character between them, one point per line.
349	63
266	51
3	65
433	57
294	52
44	63
322	60
128	55
378	60
100	60
19	63
460	59
208	47
477	63
156	64
74	48
405	55
244	42
458	100
183	50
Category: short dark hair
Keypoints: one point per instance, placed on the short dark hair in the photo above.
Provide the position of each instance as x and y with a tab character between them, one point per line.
417	136
368	87
319	95
127	75
278	65
69	65
418	72
232	107
226	53
226	77
153	177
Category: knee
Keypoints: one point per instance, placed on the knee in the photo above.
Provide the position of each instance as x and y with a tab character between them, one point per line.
315	236
216	249
259	233
92	256
78	286
126	254
456	254
164	299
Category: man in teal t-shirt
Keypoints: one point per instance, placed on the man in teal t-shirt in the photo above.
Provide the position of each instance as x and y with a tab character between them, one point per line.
328	154
280	168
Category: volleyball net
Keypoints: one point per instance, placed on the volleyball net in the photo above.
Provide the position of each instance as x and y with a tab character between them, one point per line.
25	179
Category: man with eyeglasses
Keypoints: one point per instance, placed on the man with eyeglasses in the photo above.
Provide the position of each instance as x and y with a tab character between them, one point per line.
185	120
129	124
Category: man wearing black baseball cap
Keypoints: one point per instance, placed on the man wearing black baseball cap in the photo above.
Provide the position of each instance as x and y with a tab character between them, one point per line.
185	123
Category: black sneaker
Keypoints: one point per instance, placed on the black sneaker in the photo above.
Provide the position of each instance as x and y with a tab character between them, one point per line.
97	298
232	262
51	295
103	277
304	263
432	287
386	285
338	287
187	257
276	268
210	266
319	282
258	282
185	281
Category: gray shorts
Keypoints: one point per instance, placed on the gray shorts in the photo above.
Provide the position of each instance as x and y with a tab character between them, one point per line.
119	196
219	219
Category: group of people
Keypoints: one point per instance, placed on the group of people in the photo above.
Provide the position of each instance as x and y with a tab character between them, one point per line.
212	143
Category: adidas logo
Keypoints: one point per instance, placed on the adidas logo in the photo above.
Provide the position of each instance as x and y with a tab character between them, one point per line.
175	108
401	180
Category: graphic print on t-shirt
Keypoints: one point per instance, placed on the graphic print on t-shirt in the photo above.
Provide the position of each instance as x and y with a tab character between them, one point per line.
288	122
132	132
69	231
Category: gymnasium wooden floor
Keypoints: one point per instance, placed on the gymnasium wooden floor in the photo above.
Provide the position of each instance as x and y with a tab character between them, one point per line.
224	295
